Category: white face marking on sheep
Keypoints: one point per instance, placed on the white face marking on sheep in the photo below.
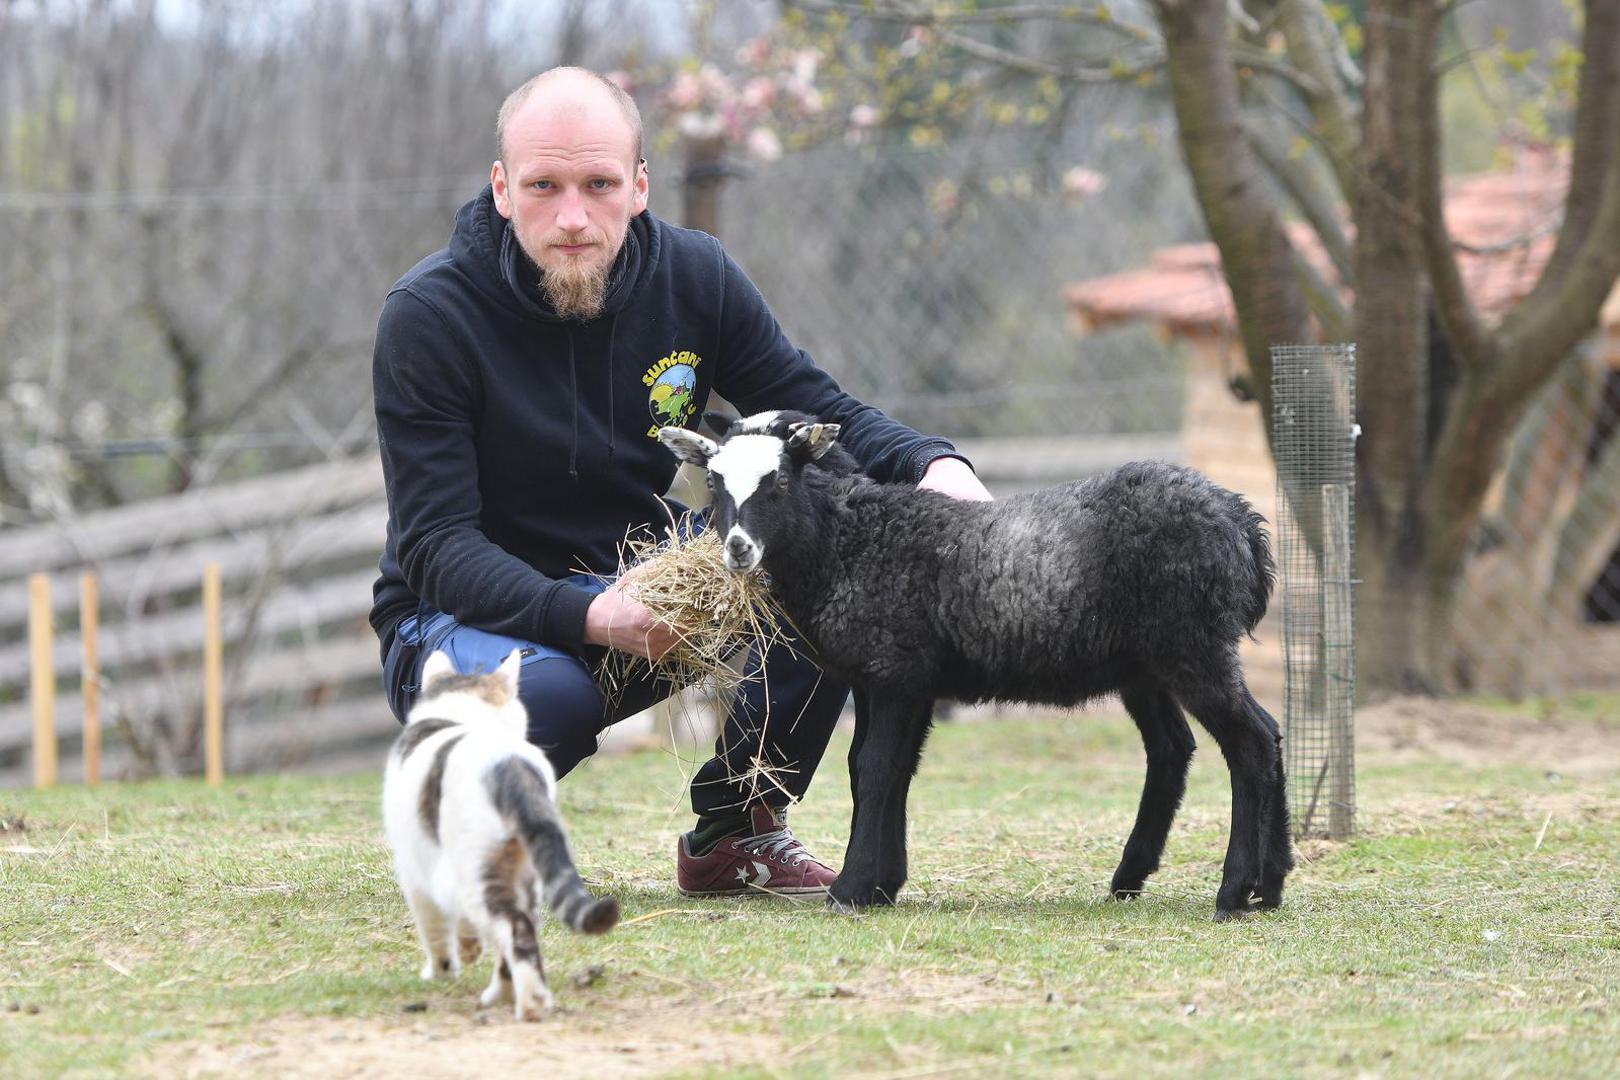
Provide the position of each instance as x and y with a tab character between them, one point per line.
757	424
741	464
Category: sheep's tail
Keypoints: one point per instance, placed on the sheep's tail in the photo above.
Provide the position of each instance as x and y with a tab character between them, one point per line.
523	798
1265	569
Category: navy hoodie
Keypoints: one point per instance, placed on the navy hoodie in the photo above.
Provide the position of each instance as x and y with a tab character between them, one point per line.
519	446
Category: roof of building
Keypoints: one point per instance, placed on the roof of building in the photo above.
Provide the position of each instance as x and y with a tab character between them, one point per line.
1505	222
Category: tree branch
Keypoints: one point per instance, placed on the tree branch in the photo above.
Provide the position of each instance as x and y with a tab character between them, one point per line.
1594	151
1317	50
921	16
1470	340
1317	205
1227	176
1152	59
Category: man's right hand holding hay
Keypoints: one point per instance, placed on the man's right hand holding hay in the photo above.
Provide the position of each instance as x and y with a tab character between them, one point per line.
618	620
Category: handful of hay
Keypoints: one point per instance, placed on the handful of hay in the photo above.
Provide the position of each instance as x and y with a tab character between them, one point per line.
717	613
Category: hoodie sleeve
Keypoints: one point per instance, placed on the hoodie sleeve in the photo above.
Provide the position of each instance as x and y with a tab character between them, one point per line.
427	396
761	369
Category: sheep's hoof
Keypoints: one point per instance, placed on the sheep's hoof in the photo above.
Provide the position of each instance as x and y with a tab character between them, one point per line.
858	898
1126	889
1268	897
844	907
1231	914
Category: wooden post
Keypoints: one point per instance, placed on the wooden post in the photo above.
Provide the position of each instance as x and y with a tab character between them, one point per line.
42	680
1338	698
89	626
213	668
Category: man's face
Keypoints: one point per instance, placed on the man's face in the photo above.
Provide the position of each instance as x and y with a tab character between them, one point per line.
570	185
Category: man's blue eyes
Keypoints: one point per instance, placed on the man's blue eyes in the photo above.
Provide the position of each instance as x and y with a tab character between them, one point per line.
594	185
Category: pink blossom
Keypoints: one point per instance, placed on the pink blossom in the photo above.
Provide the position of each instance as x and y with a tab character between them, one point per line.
759	93
684	92
1082	181
763	144
864	116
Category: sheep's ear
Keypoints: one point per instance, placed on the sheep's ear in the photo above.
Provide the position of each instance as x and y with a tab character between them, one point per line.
437	667
719	422
817	439
689	446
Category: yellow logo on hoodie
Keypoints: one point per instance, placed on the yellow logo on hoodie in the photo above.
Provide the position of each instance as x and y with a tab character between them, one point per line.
672	398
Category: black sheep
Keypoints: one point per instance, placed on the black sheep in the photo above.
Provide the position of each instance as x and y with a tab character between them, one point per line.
1141	581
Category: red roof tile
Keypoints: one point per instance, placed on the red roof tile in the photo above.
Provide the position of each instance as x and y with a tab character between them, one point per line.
1506	223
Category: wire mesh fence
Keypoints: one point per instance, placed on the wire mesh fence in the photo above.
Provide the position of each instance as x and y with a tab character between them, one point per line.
1313	414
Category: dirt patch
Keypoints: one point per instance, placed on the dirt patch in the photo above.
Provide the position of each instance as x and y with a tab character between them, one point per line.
646	1040
1419	727
663	1031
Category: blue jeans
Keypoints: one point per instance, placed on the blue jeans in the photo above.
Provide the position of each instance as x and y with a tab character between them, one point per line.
567	712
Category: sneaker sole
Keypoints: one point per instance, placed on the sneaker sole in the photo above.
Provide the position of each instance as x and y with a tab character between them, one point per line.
814	890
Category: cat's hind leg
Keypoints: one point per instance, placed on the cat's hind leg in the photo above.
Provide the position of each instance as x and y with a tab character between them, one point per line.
500	983
433	928
518	969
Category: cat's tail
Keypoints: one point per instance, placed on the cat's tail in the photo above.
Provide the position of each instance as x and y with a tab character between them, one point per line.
522	796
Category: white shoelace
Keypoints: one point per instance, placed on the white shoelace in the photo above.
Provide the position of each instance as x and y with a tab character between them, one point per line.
776	845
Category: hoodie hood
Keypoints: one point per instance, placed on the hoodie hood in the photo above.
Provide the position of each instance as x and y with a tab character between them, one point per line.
485	247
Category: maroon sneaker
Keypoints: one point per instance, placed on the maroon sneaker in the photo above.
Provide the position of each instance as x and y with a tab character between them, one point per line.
772	862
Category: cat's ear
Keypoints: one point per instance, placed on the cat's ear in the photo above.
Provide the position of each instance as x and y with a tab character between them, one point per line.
437	666
508	671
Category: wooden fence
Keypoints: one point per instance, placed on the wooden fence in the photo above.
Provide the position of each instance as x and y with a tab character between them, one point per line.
297	555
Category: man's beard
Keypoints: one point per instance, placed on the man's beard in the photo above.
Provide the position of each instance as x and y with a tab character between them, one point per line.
576	289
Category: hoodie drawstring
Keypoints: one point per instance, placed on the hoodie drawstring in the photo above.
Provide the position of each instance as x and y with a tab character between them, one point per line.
573	388
613	328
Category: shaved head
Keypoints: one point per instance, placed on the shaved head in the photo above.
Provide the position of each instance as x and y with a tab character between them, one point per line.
568	89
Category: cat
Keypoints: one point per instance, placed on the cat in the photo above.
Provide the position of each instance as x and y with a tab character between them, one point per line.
470	813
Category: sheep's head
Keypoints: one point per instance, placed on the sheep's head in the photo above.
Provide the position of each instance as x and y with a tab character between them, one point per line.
752	472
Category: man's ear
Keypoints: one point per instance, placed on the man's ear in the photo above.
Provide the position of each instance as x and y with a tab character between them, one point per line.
689	446
812	439
639	203
503	194
718	422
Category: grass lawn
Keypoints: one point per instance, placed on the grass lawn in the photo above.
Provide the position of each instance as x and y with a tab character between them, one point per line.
1472	929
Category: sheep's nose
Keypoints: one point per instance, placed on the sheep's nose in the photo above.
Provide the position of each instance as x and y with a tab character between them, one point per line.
739	546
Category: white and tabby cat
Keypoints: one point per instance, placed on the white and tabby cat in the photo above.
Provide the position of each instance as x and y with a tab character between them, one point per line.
469	809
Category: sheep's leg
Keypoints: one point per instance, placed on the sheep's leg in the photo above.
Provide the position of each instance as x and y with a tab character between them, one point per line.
1169	745
1251	757
891	745
1277	854
859	740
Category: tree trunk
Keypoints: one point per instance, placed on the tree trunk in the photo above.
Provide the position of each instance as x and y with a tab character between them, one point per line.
1399	611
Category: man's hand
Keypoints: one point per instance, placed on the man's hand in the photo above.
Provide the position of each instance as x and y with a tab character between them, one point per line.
953	477
619	621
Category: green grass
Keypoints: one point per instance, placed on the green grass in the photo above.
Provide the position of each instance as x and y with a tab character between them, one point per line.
144	921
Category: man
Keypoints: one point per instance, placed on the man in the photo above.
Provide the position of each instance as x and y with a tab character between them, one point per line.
521	376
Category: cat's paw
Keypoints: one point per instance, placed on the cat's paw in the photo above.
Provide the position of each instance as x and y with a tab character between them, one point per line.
536	1005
